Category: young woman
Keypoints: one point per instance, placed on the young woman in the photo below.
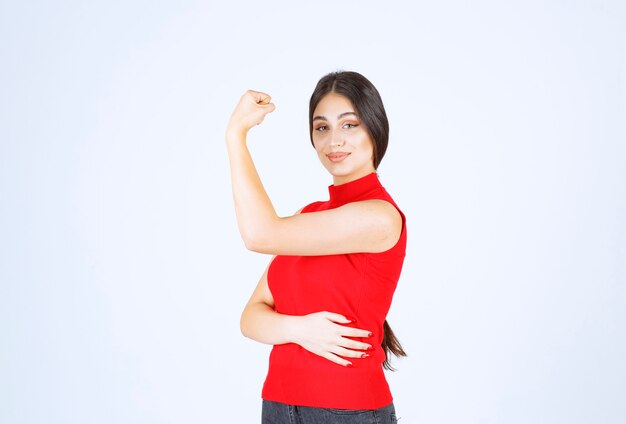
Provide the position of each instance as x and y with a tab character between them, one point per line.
323	300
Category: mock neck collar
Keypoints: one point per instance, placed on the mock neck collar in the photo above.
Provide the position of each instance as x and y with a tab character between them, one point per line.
349	191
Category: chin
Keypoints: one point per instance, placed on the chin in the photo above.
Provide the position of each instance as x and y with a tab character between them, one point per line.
338	172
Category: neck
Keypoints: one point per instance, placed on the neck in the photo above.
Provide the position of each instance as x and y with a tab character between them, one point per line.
343	179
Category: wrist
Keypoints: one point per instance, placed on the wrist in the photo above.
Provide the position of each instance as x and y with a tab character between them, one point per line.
236	135
291	328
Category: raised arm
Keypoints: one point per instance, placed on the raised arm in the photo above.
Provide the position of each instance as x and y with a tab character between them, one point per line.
367	226
320	333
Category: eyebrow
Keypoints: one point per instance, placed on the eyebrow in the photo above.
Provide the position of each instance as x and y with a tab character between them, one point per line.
323	118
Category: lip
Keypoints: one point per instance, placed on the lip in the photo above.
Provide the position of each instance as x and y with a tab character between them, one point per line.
337	156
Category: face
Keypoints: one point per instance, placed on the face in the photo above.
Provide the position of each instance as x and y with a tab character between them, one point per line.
341	141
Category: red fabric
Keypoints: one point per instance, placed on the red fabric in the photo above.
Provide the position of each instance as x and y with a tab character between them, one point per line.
357	285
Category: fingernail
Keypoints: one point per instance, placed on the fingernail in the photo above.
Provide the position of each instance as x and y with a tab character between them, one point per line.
365	355
369	348
351	319
369	334
349	365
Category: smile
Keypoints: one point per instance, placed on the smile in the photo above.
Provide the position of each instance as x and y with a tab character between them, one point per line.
337	157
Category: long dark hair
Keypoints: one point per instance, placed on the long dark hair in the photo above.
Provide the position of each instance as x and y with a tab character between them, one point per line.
390	345
369	106
365	99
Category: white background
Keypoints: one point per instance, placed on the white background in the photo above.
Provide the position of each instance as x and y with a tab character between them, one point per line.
122	274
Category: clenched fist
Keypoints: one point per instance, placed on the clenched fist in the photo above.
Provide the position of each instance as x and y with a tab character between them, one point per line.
250	111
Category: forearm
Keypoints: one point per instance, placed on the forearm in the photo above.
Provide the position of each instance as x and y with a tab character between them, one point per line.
263	324
254	210
322	333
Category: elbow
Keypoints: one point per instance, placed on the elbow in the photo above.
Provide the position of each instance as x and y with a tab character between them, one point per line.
247	321
243	325
260	236
249	237
256	241
253	245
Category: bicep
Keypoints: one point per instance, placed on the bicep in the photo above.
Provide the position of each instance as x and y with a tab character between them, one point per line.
369	226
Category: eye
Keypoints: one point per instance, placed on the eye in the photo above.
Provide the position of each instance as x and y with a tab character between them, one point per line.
321	128
349	125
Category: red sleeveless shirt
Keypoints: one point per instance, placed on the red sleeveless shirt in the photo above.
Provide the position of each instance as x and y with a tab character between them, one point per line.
357	285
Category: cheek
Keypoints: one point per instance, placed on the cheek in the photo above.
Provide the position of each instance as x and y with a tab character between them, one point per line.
365	144
317	146
319	141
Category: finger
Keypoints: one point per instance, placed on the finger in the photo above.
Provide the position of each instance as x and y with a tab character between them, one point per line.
258	97
263	115
336	359
347	353
262	98
338	318
353	344
355	332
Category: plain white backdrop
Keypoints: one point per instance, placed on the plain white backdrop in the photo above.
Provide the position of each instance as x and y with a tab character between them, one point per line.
122	275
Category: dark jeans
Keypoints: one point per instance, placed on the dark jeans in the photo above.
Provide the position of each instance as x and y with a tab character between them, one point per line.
280	413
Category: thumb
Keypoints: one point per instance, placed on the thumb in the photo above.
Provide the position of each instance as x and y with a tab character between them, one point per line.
270	107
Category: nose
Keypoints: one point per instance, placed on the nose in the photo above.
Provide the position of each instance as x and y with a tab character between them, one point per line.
337	139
